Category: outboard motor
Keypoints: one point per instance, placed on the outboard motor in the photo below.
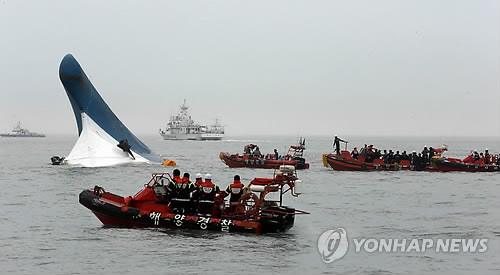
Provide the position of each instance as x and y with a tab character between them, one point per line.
125	147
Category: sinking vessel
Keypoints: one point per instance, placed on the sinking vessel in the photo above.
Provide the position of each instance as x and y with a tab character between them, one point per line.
182	127
252	158
100	131
152	207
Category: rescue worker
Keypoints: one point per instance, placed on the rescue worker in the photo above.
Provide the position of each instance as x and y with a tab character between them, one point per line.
336	144
172	190
404	156
206	197
364	151
486	156
475	156
397	157
354	153
246	149
425	155
235	190
198	180
256	152
184	190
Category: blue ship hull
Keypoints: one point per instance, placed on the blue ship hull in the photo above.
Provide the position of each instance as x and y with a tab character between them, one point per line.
84	98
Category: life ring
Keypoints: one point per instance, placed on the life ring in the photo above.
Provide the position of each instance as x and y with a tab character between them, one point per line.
250	203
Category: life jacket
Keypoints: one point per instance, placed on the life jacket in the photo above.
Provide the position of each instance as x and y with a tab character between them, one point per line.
177	180
207	191
183	184
184	189
236	190
198	182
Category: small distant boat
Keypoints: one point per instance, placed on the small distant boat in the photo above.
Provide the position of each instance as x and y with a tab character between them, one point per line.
18	131
182	127
252	158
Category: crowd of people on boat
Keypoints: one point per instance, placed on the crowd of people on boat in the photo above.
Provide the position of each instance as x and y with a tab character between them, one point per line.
485	157
368	154
252	150
201	197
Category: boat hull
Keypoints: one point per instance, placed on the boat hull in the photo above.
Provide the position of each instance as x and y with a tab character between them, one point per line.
235	161
112	210
344	163
33	135
167	136
454	166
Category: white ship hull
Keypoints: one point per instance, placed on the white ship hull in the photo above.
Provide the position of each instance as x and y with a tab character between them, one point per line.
192	136
212	136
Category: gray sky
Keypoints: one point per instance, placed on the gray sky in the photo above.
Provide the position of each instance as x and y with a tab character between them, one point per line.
262	67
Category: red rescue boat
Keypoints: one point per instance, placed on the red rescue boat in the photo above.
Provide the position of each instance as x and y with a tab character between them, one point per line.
151	208
252	158
490	163
345	162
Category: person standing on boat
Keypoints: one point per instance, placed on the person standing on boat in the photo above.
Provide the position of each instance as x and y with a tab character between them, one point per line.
184	192
235	190
172	190
207	193
425	155
276	155
336	144
486	156
256	152
199	180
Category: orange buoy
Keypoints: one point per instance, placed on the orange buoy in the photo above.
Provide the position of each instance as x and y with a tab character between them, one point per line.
169	162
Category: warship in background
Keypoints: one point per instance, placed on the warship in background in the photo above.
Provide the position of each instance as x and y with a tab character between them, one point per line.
18	131
182	127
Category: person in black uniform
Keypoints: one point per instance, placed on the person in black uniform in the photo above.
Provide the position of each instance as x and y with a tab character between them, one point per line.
336	144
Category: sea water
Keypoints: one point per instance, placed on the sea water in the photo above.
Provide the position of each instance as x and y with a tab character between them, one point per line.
44	229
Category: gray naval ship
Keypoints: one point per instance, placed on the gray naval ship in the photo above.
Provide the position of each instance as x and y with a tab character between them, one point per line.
18	131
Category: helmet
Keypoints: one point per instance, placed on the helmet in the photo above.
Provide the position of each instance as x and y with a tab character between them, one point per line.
208	176
486	149
198	176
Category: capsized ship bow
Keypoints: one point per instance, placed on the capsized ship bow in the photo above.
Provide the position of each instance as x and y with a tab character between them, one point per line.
99	129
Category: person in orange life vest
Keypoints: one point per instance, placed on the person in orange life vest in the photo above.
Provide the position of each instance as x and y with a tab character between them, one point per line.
354	153
184	190
235	189
172	190
198	180
206	196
